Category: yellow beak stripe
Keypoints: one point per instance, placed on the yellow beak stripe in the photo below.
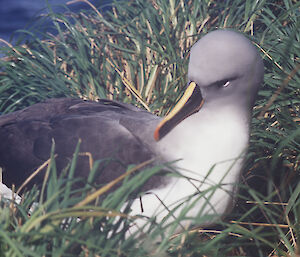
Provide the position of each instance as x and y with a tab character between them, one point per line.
176	116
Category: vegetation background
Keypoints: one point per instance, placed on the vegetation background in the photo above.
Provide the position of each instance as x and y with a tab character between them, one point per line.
137	52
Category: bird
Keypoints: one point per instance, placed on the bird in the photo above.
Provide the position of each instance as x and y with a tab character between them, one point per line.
201	143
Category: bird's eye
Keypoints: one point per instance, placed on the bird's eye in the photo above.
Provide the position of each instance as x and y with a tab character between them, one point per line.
226	84
222	83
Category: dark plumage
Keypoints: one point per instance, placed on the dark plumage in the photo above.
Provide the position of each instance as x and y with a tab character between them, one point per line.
26	137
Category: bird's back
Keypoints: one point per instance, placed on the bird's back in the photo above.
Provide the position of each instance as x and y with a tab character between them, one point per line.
106	130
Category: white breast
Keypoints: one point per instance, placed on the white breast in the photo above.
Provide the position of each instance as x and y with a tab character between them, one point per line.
209	149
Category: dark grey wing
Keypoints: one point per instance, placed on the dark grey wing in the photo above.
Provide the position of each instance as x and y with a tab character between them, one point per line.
27	135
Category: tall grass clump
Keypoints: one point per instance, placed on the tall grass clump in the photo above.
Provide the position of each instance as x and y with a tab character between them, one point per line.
137	52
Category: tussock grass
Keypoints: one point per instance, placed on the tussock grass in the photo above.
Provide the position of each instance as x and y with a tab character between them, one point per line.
137	52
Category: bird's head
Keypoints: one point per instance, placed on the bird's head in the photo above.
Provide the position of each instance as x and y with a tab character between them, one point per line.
224	69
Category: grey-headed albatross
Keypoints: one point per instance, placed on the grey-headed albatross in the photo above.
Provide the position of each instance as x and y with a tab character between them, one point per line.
204	137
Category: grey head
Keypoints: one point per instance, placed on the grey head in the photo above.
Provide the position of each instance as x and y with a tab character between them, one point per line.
228	69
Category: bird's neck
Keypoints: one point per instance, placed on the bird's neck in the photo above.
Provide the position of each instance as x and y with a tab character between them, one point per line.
207	138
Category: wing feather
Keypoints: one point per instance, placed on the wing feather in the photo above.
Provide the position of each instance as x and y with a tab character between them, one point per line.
106	129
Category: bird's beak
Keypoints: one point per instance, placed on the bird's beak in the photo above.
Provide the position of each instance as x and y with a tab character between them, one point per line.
190	102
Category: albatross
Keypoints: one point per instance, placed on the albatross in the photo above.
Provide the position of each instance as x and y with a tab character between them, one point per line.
203	139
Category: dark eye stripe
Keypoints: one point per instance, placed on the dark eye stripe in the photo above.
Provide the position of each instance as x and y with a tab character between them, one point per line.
220	83
223	83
